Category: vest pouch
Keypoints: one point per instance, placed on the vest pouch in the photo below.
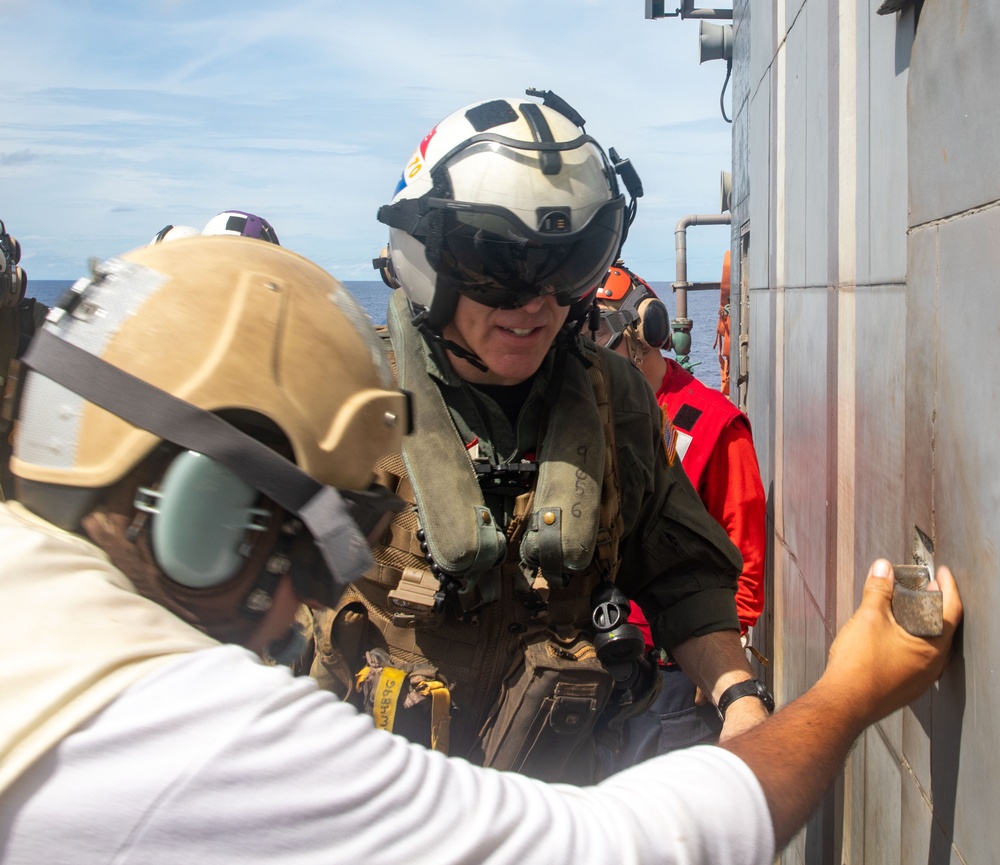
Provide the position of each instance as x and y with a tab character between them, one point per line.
543	721
629	702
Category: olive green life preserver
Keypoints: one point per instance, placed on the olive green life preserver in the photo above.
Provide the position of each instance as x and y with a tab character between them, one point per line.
462	537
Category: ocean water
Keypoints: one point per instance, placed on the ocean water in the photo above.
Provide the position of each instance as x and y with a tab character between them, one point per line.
703	308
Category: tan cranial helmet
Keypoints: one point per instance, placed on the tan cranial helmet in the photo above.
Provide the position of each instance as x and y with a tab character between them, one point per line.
221	324
168	336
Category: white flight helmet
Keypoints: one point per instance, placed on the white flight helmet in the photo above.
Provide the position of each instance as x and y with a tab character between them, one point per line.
504	200
241	224
174	232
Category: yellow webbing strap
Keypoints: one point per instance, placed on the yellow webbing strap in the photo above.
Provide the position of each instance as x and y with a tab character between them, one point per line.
388	688
440	713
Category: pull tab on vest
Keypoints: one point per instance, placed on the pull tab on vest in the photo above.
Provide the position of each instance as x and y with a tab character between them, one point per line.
460	532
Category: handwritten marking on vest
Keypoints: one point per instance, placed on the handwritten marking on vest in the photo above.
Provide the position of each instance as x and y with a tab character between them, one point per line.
579	489
390	681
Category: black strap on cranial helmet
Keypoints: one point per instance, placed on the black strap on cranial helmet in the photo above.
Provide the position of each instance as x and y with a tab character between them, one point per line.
549	160
337	519
557	103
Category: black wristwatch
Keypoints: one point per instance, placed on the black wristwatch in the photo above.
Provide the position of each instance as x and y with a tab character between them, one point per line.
749	688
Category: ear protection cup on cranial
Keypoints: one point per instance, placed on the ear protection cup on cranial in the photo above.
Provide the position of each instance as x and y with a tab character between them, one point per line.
653	326
200	515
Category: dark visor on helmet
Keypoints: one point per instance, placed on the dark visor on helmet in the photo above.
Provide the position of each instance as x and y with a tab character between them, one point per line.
488	254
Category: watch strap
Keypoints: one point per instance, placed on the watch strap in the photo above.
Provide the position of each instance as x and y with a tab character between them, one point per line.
747	688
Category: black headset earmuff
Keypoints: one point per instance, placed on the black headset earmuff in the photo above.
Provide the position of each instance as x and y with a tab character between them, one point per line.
201	513
653	326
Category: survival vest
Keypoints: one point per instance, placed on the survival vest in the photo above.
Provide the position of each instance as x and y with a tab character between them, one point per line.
522	609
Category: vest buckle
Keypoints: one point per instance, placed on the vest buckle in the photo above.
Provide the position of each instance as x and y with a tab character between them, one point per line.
506	479
417	598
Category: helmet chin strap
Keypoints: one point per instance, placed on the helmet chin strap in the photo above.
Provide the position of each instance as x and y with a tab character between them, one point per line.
468	356
420	319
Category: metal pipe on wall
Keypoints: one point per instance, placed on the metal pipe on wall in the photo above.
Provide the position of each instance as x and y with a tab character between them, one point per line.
680	286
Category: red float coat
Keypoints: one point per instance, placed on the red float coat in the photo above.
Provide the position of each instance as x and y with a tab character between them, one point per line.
716	449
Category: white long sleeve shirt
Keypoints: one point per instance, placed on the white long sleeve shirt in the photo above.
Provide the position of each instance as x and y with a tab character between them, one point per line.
217	758
128	737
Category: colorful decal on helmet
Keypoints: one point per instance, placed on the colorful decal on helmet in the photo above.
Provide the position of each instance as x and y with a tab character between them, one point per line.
412	170
426	141
414	166
669	437
416	163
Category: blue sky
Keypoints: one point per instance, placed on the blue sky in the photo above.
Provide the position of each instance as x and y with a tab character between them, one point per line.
121	116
